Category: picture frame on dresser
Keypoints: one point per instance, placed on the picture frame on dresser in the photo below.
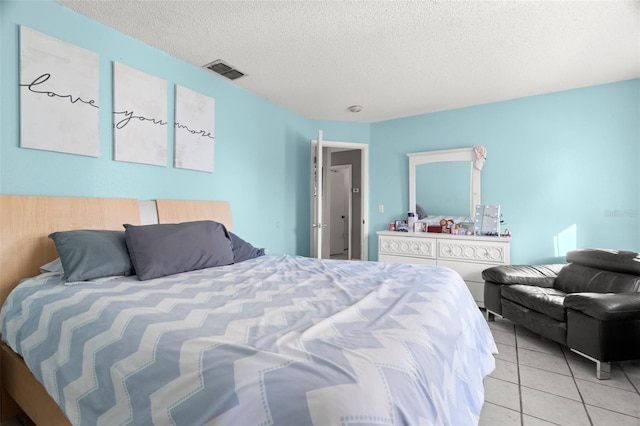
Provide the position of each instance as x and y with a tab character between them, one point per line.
401	226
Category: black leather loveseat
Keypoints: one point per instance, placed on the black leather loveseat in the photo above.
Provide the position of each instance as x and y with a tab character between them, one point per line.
591	304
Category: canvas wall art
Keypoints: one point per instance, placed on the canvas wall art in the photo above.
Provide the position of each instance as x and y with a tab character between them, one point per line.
194	130
59	101
139	116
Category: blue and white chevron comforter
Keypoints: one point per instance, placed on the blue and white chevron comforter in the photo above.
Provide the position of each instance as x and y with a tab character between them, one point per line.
281	340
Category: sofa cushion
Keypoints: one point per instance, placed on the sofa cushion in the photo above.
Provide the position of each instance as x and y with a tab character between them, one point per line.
539	323
626	262
540	275
548	301
576	278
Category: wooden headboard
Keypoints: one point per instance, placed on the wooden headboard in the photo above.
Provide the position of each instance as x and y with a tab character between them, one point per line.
176	211
27	221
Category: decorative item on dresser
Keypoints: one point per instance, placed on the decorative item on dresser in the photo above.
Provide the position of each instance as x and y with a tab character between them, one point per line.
468	255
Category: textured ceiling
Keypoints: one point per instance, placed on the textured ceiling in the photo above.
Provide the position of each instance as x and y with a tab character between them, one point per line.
395	58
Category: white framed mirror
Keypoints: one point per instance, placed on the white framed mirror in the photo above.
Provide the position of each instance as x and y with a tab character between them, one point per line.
454	167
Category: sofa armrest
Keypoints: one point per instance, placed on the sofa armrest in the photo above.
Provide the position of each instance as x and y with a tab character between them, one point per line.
605	306
537	275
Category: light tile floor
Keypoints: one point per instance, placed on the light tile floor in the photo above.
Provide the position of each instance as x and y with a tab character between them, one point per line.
538	382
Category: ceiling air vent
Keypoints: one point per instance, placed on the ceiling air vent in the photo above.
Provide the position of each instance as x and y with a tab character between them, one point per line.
224	70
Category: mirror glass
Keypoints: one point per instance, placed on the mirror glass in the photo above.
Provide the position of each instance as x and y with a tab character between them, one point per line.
446	182
442	189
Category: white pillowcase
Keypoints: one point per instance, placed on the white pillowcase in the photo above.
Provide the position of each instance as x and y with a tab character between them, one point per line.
435	220
53	266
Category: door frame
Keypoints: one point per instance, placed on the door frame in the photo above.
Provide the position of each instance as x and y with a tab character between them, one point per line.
364	188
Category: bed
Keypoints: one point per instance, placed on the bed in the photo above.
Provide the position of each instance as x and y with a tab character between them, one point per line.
267	340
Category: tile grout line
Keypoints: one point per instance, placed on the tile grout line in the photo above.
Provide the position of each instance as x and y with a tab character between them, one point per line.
572	369
515	338
573	377
520	385
608	386
630	381
612	387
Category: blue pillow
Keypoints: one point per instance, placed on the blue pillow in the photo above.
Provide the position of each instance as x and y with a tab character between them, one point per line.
242	250
166	249
90	254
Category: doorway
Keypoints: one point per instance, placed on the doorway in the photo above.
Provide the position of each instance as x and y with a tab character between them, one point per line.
351	233
340	213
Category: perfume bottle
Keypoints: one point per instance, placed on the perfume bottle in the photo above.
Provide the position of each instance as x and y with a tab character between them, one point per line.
411	220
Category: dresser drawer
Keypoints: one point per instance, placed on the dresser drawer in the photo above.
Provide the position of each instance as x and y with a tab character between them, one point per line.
487	252
406	246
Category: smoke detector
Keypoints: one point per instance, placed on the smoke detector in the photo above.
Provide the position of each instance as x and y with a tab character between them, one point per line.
223	69
355	108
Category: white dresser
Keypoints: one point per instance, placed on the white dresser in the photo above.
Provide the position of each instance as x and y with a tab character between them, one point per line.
468	255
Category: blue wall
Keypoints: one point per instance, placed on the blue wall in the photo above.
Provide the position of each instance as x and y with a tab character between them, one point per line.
565	166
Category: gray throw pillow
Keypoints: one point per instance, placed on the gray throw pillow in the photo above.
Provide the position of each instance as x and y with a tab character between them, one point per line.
166	249
420	212
242	250
90	254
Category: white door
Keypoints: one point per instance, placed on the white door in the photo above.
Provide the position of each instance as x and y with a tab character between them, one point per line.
318	223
